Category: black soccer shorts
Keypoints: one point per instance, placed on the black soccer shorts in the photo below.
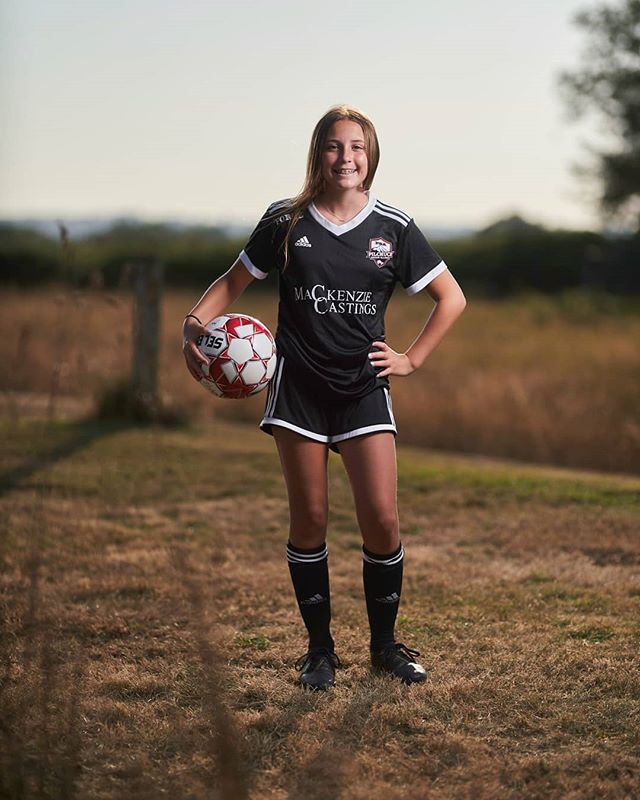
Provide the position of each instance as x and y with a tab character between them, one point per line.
324	416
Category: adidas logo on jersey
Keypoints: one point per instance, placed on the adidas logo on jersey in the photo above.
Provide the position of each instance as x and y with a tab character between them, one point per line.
302	242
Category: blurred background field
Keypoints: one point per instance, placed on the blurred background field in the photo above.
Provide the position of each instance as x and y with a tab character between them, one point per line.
546	378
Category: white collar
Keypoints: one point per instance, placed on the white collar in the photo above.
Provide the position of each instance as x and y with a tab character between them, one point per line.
346	226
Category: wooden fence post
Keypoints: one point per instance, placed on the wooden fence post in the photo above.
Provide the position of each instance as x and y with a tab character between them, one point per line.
148	280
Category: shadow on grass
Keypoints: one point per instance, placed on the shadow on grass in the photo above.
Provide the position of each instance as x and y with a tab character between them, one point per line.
231	779
323	774
80	435
40	699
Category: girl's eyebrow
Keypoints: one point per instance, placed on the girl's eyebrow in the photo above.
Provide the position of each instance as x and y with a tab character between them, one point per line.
361	141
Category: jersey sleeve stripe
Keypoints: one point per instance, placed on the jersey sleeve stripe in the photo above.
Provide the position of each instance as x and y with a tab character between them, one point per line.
277	206
384	213
387	207
257	273
420	284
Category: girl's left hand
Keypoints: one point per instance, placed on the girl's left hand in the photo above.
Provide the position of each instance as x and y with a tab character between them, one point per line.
392	363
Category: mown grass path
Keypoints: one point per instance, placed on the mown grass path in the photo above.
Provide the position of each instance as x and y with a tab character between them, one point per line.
149	628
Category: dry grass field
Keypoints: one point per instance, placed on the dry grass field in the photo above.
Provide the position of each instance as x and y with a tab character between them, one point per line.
149	628
547	380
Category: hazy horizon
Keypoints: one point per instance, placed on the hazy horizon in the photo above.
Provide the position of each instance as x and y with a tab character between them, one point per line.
201	112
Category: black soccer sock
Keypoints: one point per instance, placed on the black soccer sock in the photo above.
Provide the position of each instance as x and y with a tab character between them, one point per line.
382	578
310	576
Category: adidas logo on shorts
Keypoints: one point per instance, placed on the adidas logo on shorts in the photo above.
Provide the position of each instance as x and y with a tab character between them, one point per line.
302	242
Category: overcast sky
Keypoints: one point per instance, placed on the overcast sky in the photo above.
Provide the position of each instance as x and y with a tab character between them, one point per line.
202	110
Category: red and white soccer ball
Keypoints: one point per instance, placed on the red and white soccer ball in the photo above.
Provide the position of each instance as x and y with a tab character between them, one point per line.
242	353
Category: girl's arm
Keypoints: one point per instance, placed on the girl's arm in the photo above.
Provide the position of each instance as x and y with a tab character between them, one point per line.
450	303
219	296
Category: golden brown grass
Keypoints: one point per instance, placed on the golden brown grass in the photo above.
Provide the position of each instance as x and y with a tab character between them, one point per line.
149	628
537	379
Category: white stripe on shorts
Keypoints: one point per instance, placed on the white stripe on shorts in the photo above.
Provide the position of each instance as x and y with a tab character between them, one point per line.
317	437
340	437
275	389
389	406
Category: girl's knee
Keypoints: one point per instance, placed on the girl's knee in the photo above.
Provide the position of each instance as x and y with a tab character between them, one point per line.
381	533
309	526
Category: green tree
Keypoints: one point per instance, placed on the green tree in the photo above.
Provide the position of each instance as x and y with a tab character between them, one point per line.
608	82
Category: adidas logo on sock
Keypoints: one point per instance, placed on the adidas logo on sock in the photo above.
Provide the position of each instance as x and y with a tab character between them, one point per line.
312	601
302	242
390	598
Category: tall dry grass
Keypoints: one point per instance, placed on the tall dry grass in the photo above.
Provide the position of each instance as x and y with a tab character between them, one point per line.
532	378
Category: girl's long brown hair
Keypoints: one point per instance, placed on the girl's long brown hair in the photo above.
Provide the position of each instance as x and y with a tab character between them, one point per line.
314	182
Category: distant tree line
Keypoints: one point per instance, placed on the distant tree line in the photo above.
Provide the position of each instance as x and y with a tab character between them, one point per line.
606	85
512	256
509	256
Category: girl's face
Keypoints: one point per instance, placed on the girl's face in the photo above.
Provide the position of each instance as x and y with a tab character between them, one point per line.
344	158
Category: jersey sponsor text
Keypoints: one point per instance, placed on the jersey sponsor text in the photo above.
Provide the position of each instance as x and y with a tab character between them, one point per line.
336	301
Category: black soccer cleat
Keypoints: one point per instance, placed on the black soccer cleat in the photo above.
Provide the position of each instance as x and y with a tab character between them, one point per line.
397	659
317	669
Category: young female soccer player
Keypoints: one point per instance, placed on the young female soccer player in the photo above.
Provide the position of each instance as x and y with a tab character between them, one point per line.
339	253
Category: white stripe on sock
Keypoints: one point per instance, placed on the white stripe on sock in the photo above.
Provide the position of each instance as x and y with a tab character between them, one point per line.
387	562
306	558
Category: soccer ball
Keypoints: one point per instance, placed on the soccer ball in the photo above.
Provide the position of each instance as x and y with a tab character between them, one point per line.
242	353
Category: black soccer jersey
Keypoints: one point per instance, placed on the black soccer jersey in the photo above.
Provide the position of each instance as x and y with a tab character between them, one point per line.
336	285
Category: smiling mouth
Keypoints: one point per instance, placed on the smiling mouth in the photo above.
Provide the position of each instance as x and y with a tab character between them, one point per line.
344	171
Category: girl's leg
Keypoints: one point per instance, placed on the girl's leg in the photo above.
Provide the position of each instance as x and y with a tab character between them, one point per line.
304	466
370	462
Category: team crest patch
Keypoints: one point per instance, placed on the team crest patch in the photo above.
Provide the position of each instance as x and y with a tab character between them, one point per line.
380	252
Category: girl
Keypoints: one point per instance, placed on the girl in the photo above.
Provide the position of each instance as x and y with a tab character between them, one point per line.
339	252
